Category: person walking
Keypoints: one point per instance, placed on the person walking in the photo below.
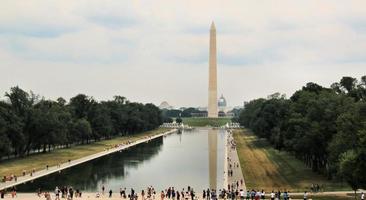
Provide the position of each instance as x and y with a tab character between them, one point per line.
362	196
110	193
305	195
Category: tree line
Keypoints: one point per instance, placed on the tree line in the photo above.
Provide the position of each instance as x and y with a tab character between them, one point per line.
32	124
323	127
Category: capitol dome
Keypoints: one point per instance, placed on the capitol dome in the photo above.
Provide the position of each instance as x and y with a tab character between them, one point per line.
222	102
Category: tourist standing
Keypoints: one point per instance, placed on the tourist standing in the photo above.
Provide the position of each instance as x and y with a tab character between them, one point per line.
71	192
252	194
103	188
242	194
173	193
162	195
168	193
257	195
13	192
2	194
192	194
305	195
124	193
232	195
110	193
272	195
57	193
362	196
178	195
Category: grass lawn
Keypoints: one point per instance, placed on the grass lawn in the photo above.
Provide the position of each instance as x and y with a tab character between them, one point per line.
39	161
204	121
266	168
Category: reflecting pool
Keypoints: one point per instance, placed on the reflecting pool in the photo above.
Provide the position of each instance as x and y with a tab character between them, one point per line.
189	158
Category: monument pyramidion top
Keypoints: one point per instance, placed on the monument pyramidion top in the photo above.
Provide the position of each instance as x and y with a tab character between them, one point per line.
213	26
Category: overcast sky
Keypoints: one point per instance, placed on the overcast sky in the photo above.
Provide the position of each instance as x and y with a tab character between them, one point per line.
153	51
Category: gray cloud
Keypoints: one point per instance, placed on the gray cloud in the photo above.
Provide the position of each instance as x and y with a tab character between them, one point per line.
155	51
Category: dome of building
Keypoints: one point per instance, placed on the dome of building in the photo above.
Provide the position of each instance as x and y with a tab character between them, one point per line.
165	105
221	102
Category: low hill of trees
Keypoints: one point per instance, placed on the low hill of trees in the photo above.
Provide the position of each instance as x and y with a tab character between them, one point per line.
29	124
324	127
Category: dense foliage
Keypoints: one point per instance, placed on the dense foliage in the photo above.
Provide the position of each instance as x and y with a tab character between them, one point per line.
324	127
29	124
187	112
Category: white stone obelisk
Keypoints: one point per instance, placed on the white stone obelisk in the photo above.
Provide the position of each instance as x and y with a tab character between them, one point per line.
212	79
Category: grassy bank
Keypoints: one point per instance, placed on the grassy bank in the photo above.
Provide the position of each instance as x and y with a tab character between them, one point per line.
266	168
203	121
39	161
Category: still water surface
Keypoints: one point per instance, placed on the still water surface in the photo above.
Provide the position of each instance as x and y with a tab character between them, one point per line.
179	160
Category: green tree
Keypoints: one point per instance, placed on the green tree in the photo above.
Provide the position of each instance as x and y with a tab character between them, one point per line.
352	168
348	83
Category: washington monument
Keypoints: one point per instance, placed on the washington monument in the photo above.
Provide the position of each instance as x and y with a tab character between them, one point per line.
212	79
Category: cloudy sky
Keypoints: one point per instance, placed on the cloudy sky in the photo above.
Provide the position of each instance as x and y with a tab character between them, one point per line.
151	51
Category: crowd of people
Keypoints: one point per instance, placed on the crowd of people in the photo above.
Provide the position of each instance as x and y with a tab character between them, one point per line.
236	182
13	193
67	192
150	193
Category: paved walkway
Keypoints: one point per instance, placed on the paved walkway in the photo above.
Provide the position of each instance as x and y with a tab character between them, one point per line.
54	169
234	165
116	196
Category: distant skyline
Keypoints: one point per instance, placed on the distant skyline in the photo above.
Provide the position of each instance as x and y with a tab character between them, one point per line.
154	51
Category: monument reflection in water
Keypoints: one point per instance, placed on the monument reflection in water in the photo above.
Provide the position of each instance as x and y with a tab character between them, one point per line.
212	156
191	158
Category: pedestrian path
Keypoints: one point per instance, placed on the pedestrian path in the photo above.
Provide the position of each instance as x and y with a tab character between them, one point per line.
237	177
54	169
116	196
